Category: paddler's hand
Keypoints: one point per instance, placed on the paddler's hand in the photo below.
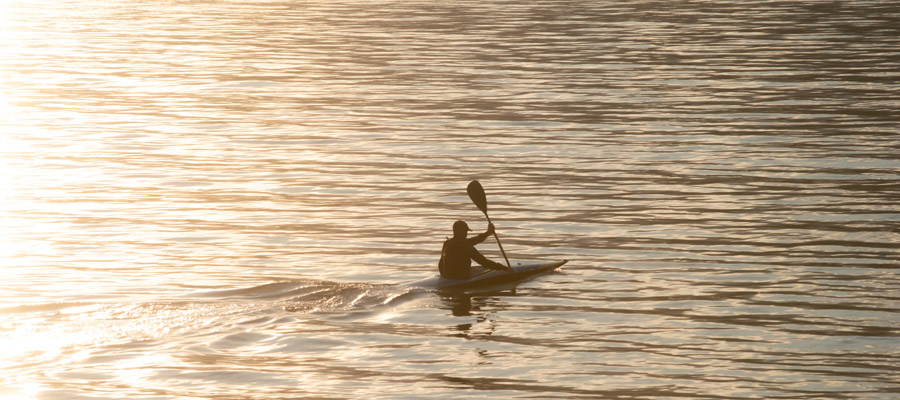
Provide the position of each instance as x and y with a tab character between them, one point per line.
495	266
502	267
490	229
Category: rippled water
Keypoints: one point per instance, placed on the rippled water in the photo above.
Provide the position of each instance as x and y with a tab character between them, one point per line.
222	199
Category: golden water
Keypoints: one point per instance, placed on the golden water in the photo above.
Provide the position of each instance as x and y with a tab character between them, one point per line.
220	199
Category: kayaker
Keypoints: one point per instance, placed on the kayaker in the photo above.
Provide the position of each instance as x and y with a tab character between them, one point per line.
459	251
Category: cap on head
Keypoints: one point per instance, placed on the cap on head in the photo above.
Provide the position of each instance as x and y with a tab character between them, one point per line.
460	228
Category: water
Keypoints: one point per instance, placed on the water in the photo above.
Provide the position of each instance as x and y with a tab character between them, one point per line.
223	199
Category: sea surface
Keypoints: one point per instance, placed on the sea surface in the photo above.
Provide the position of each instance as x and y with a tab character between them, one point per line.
224	199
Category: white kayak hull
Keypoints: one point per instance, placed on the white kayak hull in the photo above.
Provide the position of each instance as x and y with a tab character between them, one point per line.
482	278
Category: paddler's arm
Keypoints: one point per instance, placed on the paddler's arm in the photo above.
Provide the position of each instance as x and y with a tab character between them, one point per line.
484	262
480	238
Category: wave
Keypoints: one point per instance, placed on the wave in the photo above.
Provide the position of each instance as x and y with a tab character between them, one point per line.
291	295
315	295
43	307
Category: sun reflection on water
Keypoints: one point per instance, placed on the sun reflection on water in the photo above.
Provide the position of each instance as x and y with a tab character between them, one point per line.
26	391
154	153
9	174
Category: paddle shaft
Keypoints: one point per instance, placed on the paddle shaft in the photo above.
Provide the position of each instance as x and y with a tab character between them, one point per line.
498	242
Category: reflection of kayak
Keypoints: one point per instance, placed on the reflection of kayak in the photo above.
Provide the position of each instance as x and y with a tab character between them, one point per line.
488	277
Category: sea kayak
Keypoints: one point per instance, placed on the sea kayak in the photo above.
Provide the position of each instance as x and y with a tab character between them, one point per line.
488	277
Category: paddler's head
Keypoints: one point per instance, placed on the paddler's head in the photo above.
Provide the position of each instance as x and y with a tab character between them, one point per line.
460	229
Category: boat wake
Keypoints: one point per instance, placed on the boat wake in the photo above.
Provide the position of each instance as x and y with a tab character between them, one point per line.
311	296
188	318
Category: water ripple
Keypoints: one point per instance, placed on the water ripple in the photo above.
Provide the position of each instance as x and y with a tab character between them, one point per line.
214	199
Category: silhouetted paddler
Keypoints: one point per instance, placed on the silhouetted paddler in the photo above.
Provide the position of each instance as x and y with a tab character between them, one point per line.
459	251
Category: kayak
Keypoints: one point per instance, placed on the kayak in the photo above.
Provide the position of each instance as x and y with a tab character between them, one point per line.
488	277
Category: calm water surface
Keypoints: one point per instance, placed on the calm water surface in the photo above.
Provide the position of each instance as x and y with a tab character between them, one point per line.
222	199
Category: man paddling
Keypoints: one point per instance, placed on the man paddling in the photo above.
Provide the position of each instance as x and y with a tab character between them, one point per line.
459	251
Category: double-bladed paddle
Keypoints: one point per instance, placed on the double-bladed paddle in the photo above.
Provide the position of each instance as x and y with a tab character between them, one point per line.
476	193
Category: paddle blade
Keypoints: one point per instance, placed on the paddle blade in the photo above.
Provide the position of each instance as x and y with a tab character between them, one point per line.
476	193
